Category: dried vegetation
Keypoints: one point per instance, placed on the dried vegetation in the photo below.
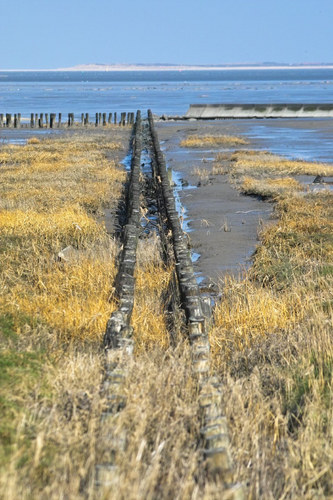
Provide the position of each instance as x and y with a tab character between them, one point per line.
259	163
201	141
54	306
272	341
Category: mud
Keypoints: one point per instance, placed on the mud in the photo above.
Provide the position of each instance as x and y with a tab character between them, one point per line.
223	224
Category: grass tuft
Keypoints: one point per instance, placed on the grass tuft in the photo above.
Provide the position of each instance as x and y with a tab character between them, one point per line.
197	141
250	162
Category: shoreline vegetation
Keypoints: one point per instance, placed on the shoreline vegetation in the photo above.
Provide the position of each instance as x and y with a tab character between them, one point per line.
272	342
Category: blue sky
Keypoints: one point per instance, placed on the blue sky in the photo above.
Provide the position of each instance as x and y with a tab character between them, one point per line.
59	33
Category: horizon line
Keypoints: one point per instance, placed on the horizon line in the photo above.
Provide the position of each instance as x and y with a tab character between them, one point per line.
172	67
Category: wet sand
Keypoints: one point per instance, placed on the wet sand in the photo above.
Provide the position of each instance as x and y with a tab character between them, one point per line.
223	223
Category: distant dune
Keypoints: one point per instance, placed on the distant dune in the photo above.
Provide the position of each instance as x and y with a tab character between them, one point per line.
182	67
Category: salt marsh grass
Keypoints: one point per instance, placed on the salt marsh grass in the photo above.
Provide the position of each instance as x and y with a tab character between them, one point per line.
249	162
271	188
272	344
201	141
53	311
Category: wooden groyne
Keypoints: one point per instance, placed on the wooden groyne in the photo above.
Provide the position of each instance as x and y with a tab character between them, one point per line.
58	120
216	461
118	343
217	449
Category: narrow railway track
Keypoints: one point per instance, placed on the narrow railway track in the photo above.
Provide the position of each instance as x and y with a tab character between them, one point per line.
149	191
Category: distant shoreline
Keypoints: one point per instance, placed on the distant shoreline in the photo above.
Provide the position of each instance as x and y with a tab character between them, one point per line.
135	67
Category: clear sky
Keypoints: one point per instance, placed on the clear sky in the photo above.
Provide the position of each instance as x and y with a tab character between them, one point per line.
60	33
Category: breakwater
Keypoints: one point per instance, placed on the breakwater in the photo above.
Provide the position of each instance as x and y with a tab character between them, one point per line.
295	110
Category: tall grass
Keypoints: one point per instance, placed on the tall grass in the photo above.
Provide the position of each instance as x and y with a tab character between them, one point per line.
54	307
272	344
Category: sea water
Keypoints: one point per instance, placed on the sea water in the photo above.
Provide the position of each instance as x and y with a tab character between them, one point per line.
171	93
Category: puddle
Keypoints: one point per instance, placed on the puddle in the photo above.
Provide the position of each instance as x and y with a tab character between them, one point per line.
176	178
178	183
195	256
20	137
199	277
20	142
127	161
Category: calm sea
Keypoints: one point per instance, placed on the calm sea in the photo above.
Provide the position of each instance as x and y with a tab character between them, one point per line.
168	93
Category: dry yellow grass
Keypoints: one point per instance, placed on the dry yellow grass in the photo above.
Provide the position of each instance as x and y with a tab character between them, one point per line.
261	162
49	190
272	343
70	169
149	317
57	434
271	188
198	141
201	173
272	347
53	314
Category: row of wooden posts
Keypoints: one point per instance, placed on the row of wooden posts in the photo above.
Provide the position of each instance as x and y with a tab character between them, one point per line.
51	120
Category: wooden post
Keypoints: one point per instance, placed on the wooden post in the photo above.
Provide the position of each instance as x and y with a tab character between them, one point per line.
82	119
104	119
110	118
32	120
59	120
36	120
128	118
1	120
69	120
15	120
115	119
122	119
41	118
86	120
8	119
52	119
96	120
99	118
47	120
